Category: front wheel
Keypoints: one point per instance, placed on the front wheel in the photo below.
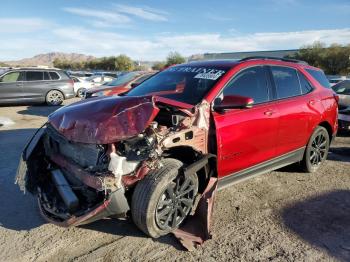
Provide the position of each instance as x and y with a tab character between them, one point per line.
54	98
163	199
317	150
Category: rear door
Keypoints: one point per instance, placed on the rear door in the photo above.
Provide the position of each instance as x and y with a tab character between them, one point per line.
11	85
35	87
297	105
246	137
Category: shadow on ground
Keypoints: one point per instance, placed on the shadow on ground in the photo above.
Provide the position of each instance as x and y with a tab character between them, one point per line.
17	211
324	222
341	154
38	110
128	228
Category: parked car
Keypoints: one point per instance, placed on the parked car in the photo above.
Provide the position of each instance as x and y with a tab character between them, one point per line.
80	86
35	85
119	85
98	80
343	90
153	150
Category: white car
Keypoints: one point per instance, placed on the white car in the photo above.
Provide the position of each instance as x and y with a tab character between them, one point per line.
98	80
81	85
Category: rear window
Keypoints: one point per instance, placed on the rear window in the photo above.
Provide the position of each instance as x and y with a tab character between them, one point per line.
34	75
286	81
54	76
46	76
306	87
320	77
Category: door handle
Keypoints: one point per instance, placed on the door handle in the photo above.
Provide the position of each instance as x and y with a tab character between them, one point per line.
269	112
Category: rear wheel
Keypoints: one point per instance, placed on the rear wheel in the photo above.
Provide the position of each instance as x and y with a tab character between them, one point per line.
54	98
317	150
163	199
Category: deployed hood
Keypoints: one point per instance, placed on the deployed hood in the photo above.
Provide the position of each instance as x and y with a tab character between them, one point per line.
105	120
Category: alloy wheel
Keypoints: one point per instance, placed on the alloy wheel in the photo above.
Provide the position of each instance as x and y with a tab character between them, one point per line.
175	203
318	149
55	97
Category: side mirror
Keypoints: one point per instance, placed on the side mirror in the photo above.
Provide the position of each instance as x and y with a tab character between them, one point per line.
233	102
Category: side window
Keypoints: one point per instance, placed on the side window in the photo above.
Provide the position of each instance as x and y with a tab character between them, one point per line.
75	80
306	87
34	75
54	76
46	76
320	77
286	81
251	82
11	77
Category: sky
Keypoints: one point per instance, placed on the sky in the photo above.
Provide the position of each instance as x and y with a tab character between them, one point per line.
149	30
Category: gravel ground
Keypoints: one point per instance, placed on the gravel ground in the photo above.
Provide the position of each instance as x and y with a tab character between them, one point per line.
281	216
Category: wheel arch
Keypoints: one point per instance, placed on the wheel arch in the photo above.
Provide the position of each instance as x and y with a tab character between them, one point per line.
204	165
328	127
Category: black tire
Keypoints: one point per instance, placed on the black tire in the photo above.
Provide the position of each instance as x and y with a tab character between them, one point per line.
81	92
316	150
54	98
152	203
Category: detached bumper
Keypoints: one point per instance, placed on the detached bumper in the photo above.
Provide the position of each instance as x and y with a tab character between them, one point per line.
35	177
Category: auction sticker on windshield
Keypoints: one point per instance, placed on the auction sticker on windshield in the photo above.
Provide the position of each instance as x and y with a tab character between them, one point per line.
202	73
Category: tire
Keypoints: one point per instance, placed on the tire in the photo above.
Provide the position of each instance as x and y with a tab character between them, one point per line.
316	150
54	98
153	206
81	92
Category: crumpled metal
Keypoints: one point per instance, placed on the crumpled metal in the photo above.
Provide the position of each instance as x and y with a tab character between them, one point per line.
196	230
104	120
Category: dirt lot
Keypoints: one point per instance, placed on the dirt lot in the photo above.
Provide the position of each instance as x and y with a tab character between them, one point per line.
281	216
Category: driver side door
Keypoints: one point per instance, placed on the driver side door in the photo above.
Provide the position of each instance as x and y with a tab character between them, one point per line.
246	137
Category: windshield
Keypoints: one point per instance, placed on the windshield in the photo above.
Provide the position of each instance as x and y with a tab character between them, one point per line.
123	79
188	84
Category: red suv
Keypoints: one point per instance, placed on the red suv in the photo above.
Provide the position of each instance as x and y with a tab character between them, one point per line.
153	150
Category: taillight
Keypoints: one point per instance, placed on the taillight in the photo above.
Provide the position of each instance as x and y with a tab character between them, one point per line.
71	82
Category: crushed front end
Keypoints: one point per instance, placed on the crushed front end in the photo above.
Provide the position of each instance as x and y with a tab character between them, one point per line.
85	161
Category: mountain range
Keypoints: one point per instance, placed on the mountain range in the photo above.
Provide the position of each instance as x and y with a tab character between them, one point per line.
47	59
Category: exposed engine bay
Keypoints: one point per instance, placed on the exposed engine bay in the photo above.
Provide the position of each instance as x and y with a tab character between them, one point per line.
79	182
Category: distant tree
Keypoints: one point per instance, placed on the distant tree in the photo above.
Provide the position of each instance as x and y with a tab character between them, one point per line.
123	63
174	58
334	59
158	65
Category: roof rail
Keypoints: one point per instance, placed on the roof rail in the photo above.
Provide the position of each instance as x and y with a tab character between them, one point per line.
274	58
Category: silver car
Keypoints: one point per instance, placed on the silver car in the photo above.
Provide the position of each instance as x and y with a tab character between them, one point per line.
343	90
35	85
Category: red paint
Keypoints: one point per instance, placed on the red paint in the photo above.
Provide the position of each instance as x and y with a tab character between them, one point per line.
246	137
104	120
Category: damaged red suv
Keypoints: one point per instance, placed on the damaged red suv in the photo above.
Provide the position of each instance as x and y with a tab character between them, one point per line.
151	152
